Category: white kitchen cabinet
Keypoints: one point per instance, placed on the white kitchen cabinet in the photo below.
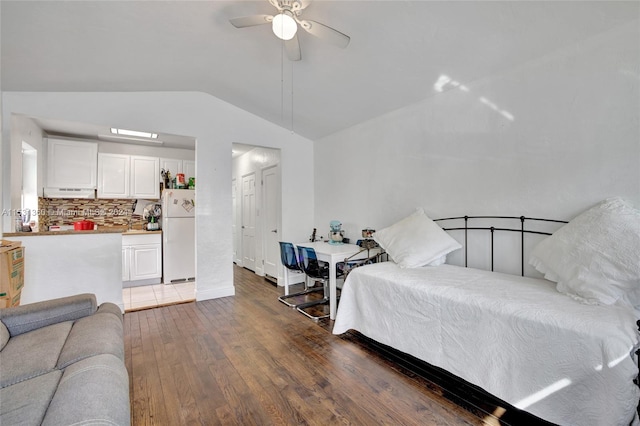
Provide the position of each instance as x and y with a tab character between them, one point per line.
189	169
145	262
125	262
71	164
145	177
113	175
172	165
128	176
141	259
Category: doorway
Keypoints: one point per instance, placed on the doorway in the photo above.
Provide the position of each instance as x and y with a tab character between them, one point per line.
256	201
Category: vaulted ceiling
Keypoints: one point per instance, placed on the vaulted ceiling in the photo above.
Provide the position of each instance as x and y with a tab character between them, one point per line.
398	50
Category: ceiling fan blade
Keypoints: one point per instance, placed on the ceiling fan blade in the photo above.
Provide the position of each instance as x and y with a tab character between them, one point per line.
275	4
250	21
292	47
304	4
326	33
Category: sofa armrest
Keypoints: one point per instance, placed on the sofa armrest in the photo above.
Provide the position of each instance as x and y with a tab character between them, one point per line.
25	318
108	307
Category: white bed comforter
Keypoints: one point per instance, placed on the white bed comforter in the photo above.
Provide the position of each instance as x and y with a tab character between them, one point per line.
517	338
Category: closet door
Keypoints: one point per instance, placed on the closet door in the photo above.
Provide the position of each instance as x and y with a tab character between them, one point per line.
249	221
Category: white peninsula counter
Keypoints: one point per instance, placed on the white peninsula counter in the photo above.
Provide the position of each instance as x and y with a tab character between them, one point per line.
58	265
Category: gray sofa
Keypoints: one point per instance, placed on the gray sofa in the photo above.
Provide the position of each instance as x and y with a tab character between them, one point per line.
62	363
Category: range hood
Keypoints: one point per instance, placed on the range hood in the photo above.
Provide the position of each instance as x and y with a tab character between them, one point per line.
69	193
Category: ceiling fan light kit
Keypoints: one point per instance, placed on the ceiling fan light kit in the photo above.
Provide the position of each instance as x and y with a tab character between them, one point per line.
285	26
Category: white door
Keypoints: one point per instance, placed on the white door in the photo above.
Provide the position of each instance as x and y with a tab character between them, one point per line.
271	219
249	221
145	177
113	175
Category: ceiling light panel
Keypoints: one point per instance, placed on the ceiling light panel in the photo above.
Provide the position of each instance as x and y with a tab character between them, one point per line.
134	133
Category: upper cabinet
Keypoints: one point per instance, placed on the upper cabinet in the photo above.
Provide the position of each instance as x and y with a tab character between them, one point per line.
171	165
113	175
76	168
145	177
71	164
187	167
128	176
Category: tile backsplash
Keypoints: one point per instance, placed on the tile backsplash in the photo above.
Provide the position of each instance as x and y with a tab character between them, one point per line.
104	212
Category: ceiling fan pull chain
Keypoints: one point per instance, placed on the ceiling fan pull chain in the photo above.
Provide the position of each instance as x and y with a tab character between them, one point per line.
291	96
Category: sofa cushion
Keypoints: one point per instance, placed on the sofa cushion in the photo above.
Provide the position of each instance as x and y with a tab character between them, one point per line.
25	403
4	335
31	354
92	391
100	333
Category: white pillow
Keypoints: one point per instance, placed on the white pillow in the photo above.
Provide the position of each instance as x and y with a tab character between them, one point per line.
595	258
416	241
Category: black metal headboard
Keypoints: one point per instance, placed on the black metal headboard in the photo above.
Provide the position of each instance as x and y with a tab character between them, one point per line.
492	229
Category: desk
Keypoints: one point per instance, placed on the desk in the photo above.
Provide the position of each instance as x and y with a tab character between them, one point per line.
332	254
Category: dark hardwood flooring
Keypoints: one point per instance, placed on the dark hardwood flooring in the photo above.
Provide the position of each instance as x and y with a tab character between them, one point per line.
251	360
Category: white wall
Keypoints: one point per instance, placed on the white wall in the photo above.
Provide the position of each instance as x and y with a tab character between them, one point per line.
216	125
90	271
2	155
151	151
550	139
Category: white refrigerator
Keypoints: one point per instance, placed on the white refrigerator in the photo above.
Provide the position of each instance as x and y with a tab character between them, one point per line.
178	235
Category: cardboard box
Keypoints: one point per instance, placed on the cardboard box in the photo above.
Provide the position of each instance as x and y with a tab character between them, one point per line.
11	272
6	245
7	301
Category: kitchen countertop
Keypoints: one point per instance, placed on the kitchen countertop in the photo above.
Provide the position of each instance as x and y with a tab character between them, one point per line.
140	231
100	230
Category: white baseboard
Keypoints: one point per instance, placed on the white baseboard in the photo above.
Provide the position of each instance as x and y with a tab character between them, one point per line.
215	293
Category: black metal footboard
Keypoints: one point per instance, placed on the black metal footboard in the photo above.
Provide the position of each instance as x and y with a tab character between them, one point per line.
637	379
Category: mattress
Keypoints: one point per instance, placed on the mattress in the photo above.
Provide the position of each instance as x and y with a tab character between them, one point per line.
515	337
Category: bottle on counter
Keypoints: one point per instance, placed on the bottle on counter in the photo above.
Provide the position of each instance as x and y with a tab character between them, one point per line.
153	225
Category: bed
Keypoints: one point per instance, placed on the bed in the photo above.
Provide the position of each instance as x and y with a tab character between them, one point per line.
561	356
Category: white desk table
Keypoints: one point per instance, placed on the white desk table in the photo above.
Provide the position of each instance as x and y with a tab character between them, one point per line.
332	254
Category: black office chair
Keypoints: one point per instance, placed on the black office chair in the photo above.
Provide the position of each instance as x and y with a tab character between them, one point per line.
317	271
290	261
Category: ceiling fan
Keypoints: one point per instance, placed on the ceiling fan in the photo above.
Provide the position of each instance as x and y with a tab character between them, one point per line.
285	26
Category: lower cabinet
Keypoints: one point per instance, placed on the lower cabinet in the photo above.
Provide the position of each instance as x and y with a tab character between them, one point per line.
141	259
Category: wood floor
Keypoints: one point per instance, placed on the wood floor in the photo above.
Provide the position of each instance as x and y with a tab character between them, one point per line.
251	360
